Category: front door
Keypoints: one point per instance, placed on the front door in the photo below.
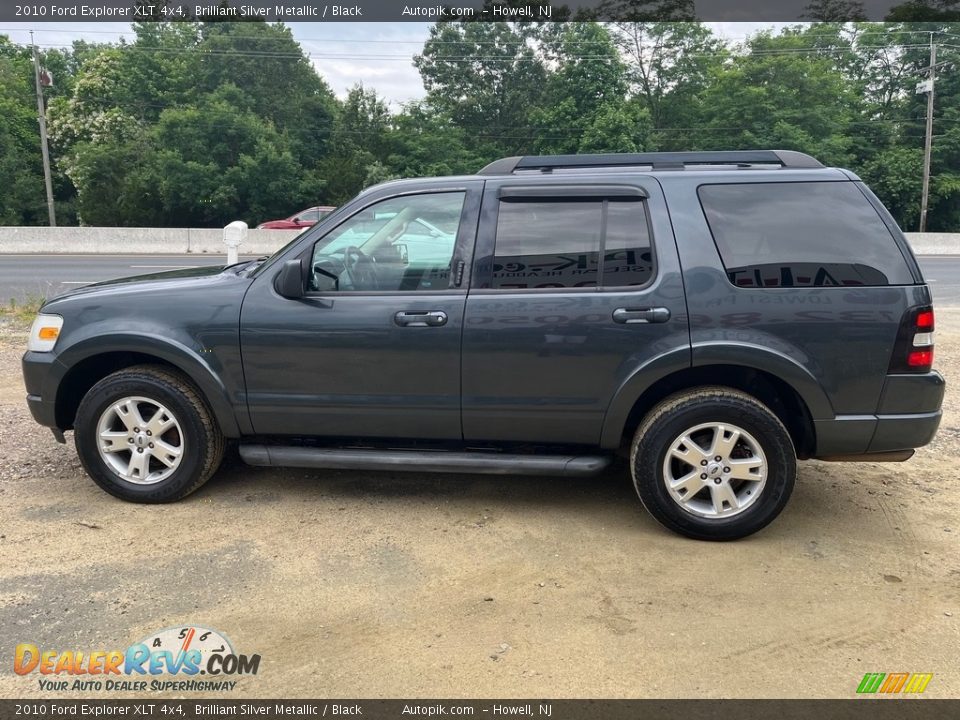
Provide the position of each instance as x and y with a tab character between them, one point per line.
373	348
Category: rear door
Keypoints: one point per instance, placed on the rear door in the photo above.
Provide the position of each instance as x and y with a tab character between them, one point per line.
576	292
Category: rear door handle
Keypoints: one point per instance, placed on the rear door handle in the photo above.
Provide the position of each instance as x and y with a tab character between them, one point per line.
630	316
421	319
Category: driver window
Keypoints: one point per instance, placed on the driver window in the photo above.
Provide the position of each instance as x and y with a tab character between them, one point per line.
399	244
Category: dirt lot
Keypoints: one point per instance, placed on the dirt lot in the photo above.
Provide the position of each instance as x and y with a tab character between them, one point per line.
378	585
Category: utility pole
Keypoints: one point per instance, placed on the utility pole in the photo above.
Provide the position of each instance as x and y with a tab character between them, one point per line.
43	135
928	143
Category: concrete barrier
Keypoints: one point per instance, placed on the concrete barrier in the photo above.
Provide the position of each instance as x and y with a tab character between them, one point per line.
934	243
176	241
135	241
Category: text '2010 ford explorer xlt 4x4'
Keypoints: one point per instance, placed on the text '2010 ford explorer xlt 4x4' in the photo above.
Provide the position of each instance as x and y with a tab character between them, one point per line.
712	316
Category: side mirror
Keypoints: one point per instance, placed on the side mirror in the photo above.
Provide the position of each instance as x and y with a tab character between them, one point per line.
289	281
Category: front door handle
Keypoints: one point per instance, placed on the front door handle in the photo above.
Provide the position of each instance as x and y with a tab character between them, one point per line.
421	319
630	316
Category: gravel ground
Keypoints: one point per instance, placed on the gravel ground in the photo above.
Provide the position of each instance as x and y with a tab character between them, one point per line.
357	584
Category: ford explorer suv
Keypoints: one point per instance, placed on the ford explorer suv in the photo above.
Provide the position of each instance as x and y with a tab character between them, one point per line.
710	317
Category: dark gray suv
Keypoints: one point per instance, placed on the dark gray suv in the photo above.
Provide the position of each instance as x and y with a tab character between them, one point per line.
711	316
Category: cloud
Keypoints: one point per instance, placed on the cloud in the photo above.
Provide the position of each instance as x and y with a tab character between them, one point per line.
379	55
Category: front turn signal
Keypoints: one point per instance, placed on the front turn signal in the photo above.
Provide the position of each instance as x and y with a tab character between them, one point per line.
44	333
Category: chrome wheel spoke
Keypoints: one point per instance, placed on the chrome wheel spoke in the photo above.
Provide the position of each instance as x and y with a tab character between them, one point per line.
129	413
747	469
723	493
724	439
166	453
160	422
113	441
688	451
139	466
687	486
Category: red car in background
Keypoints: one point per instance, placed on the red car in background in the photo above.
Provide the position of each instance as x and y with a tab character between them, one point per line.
303	219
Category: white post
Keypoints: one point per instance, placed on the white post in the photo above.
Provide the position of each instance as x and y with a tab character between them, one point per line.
233	236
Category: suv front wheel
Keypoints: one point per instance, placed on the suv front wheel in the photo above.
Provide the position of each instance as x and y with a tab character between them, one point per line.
713	463
145	434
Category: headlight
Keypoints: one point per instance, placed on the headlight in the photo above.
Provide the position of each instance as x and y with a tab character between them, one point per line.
44	333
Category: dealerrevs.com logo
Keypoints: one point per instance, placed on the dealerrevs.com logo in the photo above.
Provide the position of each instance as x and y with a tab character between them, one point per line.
894	683
181	655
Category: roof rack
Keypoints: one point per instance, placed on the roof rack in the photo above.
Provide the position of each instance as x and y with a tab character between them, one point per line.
656	160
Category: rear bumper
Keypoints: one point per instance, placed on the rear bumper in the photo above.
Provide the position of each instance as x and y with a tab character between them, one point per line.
909	412
907	417
904	432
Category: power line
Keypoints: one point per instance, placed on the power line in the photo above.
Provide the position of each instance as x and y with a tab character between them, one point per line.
199	49
854	37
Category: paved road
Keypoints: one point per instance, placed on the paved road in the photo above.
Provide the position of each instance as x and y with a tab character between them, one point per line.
31	276
25	276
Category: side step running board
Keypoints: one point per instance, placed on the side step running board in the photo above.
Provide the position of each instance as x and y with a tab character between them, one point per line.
418	460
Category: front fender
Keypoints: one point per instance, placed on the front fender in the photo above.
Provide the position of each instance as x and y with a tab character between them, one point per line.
194	363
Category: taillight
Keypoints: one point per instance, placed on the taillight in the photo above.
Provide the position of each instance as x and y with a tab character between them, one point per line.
920	359
913	351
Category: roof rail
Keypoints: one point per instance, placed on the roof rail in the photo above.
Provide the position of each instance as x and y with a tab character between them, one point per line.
657	160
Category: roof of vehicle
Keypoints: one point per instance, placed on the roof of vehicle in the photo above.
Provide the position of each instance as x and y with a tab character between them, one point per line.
728	159
787	165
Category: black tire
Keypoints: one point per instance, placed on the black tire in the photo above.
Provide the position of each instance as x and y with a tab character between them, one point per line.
679	413
200	436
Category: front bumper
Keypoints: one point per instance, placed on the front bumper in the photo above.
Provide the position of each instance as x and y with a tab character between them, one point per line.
41	388
43	412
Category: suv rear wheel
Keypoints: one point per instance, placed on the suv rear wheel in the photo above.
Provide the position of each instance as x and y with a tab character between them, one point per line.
146	435
713	463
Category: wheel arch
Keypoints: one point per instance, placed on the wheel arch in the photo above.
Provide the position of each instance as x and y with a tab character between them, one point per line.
783	399
85	364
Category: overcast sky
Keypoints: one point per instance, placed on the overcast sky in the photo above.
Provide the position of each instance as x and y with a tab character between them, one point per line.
377	54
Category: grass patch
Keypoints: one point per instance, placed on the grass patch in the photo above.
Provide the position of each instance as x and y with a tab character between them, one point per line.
22	310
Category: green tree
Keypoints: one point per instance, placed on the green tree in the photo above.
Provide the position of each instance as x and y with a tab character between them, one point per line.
277	77
427	143
486	76
779	93
358	142
586	108
835	11
669	67
23	200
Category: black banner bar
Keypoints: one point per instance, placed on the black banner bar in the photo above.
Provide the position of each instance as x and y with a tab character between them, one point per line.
153	709
40	11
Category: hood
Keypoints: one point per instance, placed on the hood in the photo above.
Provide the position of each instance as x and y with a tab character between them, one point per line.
164	281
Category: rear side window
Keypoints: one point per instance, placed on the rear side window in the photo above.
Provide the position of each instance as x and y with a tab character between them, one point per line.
816	234
543	244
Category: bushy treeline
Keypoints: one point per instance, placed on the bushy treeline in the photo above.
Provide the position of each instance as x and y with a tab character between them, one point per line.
198	124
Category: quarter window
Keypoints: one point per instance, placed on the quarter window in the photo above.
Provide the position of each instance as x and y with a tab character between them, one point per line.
814	234
545	244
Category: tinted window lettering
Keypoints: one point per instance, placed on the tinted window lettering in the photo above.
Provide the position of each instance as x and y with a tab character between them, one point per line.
818	234
557	244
